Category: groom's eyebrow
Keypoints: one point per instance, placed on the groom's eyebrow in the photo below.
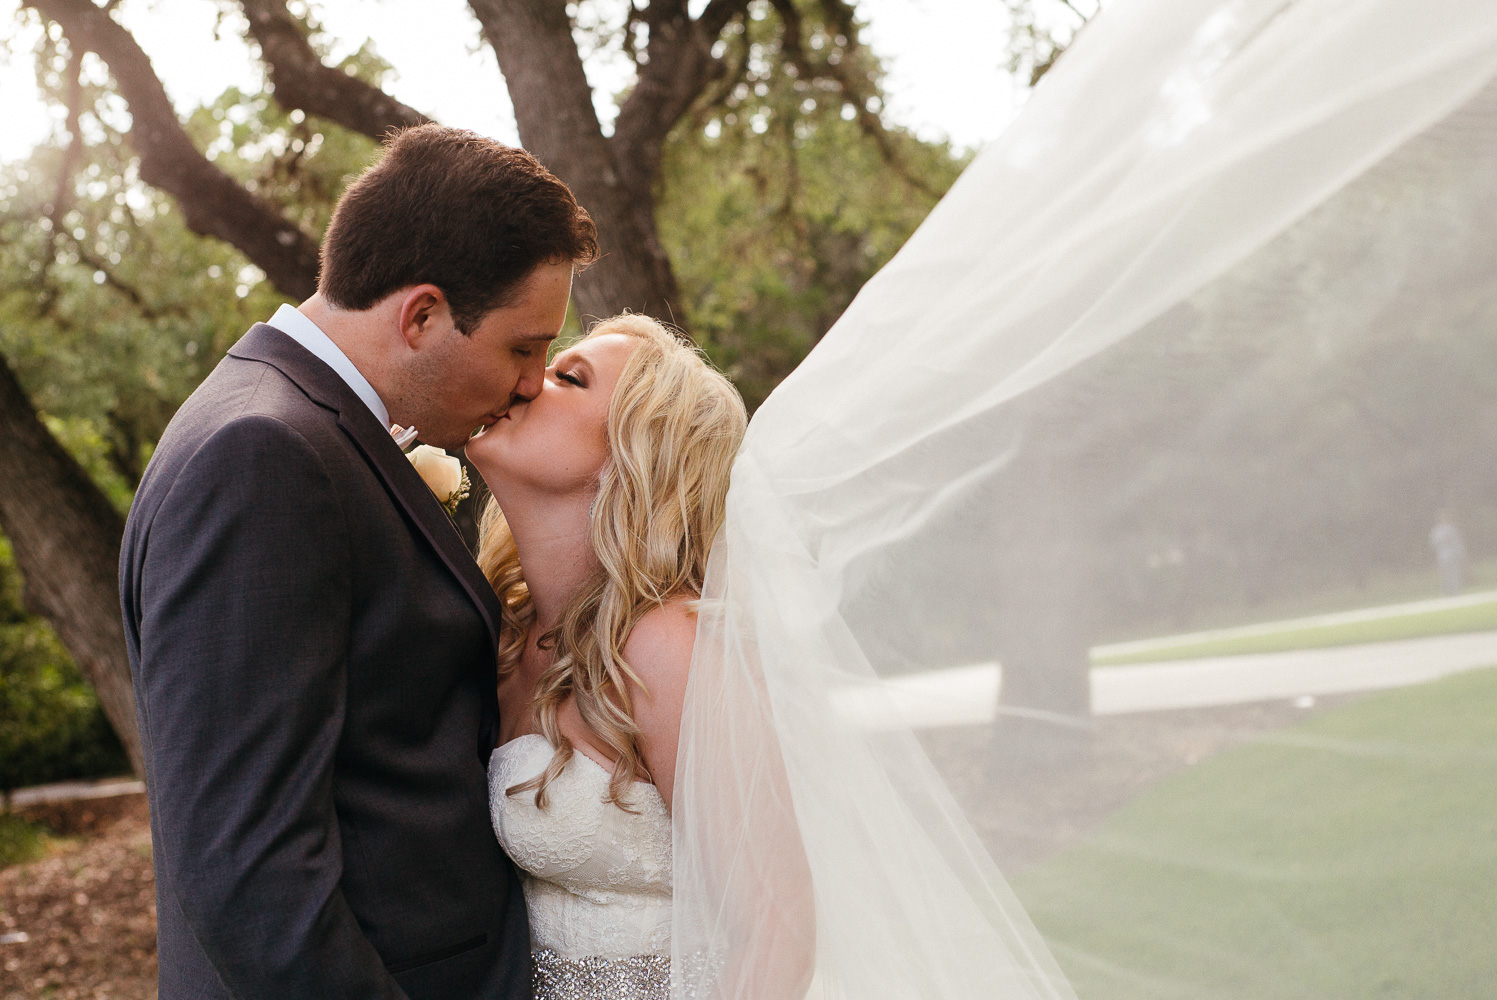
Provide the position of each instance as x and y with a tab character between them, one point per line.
548	337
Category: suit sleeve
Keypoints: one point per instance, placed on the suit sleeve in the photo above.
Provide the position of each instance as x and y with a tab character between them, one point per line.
244	634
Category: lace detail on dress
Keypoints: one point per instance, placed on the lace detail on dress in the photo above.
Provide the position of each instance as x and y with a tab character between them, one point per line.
597	878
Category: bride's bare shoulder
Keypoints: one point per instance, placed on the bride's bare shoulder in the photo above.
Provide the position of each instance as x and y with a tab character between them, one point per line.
661	642
658	650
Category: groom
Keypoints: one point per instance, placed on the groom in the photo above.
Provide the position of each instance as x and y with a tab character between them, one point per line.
312	646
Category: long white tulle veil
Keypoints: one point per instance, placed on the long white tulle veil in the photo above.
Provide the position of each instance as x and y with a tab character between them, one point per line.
1180	298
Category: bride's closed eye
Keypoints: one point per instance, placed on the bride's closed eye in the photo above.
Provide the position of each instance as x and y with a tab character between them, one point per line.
569	377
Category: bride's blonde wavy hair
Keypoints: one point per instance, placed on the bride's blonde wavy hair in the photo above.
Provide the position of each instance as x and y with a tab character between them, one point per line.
674	426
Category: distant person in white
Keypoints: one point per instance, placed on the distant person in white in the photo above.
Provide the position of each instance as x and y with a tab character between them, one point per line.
1450	554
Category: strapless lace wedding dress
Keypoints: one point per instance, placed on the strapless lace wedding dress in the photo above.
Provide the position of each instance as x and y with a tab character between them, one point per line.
597	878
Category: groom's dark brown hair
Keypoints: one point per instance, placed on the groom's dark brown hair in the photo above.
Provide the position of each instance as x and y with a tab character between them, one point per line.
453	209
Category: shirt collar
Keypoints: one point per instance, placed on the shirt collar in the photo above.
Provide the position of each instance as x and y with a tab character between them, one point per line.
295	324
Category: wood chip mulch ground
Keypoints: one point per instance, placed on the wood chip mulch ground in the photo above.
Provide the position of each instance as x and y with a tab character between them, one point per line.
81	923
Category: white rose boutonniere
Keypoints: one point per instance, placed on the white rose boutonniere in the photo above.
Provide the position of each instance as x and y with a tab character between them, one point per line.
443	473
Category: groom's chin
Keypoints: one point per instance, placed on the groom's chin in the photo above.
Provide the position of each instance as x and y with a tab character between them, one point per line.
449	441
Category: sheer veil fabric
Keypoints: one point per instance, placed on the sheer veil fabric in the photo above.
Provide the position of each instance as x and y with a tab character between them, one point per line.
1135	321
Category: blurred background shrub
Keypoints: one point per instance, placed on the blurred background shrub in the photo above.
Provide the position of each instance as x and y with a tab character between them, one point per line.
51	726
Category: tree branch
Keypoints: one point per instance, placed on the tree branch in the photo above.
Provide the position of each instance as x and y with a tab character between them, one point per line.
718	14
213	203
62	198
112	280
839	14
1076	11
678	68
735	70
67	169
301	80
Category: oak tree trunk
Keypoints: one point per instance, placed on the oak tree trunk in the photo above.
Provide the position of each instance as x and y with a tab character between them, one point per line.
1047	622
554	111
66	538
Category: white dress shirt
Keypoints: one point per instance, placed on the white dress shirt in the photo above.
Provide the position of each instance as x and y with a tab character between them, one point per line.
290	321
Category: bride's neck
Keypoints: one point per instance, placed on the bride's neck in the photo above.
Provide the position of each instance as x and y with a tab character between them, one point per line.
555	555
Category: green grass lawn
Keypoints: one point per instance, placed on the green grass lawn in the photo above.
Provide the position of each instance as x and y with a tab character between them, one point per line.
1353	857
1471	618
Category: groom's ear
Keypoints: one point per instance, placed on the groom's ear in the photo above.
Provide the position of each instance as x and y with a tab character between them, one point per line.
423	314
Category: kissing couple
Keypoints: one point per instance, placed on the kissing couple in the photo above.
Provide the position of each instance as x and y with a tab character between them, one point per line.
380	767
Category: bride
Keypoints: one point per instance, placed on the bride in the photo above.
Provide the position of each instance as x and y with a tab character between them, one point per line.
710	780
608	489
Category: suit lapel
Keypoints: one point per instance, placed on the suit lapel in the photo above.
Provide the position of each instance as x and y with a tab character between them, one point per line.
423	508
322	384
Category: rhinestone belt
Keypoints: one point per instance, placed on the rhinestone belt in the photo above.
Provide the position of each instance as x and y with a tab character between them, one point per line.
639	977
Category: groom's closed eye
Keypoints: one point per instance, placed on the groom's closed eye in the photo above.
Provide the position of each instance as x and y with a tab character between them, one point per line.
526	347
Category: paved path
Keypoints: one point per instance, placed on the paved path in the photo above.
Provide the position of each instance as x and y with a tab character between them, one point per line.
72	791
963	696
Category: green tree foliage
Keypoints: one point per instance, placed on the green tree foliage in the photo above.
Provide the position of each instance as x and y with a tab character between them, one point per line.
111	310
1040	31
779	199
777	206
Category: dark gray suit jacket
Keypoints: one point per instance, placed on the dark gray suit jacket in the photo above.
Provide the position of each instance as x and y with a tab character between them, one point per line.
313	652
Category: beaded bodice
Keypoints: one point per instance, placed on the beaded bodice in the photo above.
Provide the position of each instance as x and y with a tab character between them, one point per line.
597	877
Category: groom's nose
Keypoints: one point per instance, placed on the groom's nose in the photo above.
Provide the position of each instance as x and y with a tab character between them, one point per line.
529	385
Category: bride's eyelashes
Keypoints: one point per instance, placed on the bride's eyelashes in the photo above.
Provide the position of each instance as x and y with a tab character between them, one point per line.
569	377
